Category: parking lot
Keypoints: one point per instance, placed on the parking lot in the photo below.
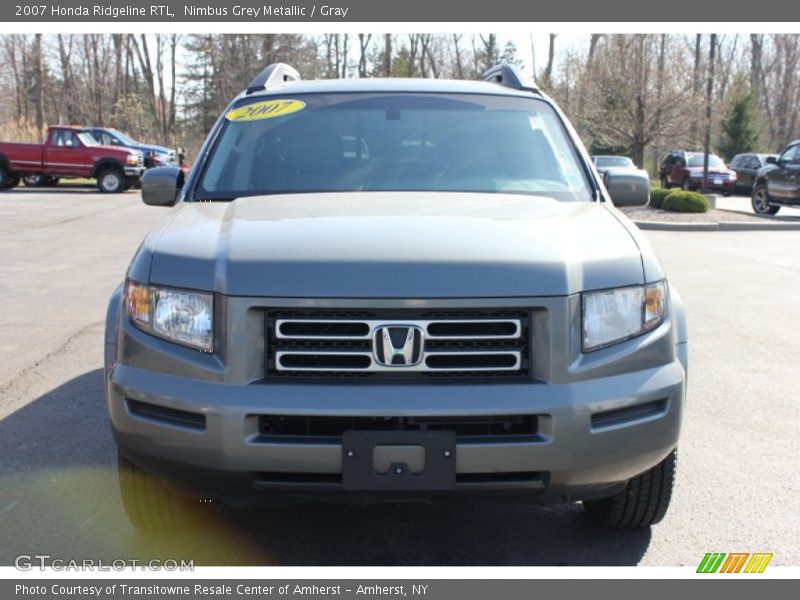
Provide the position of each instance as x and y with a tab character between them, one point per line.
63	252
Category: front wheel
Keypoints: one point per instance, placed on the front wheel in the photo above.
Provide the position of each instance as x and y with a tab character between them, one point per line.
5	178
665	182
642	503
686	185
760	202
111	181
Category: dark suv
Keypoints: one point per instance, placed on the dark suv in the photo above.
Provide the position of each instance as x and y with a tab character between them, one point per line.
747	167
778	184
685	169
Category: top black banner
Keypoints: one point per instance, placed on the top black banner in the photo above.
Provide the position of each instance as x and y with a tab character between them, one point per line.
258	11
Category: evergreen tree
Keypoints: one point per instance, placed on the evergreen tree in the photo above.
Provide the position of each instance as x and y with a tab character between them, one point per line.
740	130
509	55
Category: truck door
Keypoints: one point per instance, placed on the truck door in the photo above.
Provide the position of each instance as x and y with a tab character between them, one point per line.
783	182
65	155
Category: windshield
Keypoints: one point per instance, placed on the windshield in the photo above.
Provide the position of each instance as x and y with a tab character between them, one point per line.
393	142
714	161
613	161
126	140
87	139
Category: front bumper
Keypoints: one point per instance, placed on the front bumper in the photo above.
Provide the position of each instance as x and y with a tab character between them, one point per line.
581	449
726	186
131	171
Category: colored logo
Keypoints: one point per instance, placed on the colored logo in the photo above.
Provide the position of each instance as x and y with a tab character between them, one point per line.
734	562
269	109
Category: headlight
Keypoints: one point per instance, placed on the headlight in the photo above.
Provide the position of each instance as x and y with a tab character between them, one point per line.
183	317
133	159
613	316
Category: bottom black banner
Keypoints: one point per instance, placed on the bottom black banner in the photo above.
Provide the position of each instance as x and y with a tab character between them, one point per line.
429	589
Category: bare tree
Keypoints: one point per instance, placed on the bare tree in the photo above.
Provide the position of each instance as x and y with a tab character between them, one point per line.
697	83
585	83
660	68
363	45
387	55
547	75
38	57
458	56
712	48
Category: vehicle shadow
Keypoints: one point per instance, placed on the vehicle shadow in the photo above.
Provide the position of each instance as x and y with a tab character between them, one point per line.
468	534
63	189
59	492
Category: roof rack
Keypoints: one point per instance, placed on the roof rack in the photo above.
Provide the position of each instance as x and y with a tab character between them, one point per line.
510	76
274	74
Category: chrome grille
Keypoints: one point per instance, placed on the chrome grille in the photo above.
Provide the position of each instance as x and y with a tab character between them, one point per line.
452	343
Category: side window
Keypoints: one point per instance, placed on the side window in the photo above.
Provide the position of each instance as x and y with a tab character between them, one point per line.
58	138
69	139
796	159
108	140
739	162
789	155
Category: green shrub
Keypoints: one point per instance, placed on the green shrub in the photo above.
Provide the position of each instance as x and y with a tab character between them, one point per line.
657	196
686	202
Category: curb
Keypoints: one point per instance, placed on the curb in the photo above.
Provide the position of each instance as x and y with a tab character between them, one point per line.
724	226
673	226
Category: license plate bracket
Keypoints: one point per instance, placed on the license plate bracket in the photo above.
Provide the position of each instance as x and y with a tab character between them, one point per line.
358	470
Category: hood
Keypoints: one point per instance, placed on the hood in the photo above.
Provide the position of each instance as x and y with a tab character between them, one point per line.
766	169
145	148
395	245
122	151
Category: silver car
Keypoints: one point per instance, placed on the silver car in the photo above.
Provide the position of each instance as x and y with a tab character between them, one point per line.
376	290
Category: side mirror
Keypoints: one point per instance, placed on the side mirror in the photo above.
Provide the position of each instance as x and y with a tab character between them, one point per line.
160	186
627	187
771	160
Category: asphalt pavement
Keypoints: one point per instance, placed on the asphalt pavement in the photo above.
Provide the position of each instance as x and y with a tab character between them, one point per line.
741	203
63	251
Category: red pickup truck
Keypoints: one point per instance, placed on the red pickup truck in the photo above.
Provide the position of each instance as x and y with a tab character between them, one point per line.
71	152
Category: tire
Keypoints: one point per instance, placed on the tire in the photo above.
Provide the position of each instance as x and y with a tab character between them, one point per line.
53	181
35	180
642	503
686	185
665	182
111	180
760	201
152	506
12	181
4	178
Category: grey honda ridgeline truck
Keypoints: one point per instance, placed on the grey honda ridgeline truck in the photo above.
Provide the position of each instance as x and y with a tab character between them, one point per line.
378	290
